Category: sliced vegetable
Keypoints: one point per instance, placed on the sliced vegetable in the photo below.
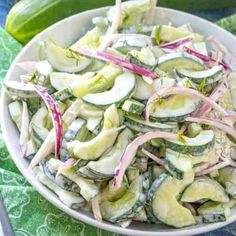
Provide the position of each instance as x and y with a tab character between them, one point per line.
211	76
163	196
105	167
64	59
176	43
211	212
133	107
93	149
196	146
227	177
169	33
140	125
56	116
127	205
177	165
72	200
18	89
204	189
204	57
131	150
16	110
118	61
122	89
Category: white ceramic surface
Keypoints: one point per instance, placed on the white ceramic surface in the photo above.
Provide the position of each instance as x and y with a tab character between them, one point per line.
65	33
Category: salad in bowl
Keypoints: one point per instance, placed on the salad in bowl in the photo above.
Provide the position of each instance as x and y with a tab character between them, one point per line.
134	122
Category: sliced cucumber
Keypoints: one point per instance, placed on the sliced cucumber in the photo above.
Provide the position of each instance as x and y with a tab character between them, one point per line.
201	47
72	200
138	124
169	33
211	212
50	170
227	177
62	95
144	58
195	146
177	164
93	149
94	124
105	167
127	205
141	216
38	123
132	42
162	197
16	109
179	60
211	76
133	107
144	91
122	89
88	188
64	59
76	131
173	108
204	189
31	149
16	89
60	80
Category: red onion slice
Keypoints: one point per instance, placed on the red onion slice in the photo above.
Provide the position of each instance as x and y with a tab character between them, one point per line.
118	61
131	150
204	57
177	43
182	91
216	94
55	114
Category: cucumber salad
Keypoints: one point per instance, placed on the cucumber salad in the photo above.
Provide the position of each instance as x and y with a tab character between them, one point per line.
134	122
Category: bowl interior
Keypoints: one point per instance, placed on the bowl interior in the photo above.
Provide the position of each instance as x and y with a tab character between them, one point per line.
65	33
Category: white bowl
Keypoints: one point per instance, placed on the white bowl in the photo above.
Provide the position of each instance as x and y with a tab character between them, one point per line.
65	33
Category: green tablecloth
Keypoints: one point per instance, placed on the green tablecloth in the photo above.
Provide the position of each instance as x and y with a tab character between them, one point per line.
30	214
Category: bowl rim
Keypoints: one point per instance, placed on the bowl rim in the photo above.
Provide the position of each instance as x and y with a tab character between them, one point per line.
47	194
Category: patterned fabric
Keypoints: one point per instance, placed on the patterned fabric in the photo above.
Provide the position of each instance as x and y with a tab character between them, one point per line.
30	214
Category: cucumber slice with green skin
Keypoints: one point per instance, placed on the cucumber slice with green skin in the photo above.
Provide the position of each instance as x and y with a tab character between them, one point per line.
144	58
93	149
138	124
174	108
60	80
122	89
38	123
88	188
204	189
105	167
132	42
138	29
49	168
195	146
94	124
31	149
127	205
179	60
144	91
76	131
169	33
227	177
16	89
210	76
72	200
133	107
62	95
178	164
211	212
162	197
64	60
16	109
141	216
